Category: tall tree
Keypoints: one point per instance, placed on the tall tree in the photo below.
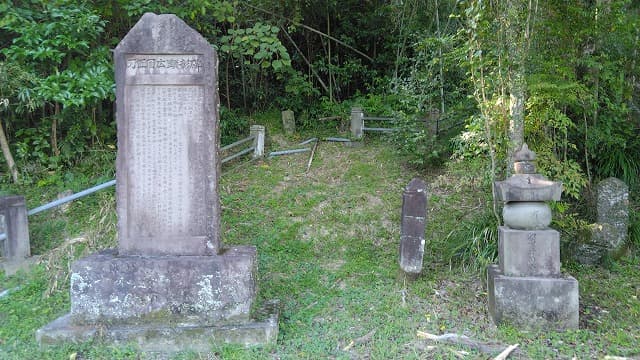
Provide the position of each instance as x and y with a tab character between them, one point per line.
516	18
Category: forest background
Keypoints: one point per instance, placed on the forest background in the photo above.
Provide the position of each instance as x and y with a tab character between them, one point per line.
562	76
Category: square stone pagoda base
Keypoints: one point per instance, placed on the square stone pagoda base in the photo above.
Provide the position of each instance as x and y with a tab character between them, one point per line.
165	303
533	302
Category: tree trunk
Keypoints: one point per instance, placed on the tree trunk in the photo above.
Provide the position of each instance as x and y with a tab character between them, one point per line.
4	144
440	60
517	88
517	40
54	131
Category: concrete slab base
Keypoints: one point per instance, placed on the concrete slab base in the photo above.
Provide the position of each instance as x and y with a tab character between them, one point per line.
533	302
166	338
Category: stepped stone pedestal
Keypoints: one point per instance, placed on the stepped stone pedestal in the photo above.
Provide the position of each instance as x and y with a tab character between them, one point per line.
170	285
526	289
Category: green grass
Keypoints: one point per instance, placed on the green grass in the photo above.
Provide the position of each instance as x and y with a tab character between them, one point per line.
328	244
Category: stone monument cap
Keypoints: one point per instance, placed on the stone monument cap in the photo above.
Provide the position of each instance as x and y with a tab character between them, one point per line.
416	184
524	154
528	187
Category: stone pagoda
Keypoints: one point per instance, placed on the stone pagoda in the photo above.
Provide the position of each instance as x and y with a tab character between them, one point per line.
526	288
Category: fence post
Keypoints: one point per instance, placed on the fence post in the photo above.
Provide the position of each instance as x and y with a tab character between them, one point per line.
357	122
16	226
258	142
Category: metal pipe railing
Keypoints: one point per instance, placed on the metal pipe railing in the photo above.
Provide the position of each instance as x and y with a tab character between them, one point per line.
72	197
287	152
236	155
379	129
378	118
239	142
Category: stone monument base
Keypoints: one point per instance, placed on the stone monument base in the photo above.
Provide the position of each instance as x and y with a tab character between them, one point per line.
533	302
166	338
165	303
12	266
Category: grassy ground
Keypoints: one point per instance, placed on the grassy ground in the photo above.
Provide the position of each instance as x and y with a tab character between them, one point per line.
327	242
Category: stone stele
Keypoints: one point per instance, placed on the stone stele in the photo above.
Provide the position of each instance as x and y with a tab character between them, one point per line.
412	237
170	285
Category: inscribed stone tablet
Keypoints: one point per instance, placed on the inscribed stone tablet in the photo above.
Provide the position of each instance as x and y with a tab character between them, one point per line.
167	112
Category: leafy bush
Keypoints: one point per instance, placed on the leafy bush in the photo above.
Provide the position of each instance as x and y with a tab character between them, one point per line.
233	126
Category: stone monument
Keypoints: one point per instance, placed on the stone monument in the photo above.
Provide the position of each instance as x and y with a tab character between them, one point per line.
414	215
170	285
15	225
288	122
527	289
357	122
608	236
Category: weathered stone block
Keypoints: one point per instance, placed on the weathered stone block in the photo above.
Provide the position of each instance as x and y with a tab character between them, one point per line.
167	165
412	238
357	122
533	302
609	235
613	202
288	122
527	187
526	215
16	246
529	252
187	290
599	240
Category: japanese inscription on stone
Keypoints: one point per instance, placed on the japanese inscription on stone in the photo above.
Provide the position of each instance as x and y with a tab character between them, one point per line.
167	142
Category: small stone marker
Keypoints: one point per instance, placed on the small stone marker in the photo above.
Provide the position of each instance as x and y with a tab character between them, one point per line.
609	235
414	217
288	122
169	286
258	143
15	226
357	122
527	289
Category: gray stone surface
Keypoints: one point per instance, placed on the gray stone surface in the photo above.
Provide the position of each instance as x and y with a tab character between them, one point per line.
527	187
357	122
529	252
414	217
16	247
527	215
613	202
533	302
167	114
166	338
288	122
609	235
190	290
600	240
258	143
